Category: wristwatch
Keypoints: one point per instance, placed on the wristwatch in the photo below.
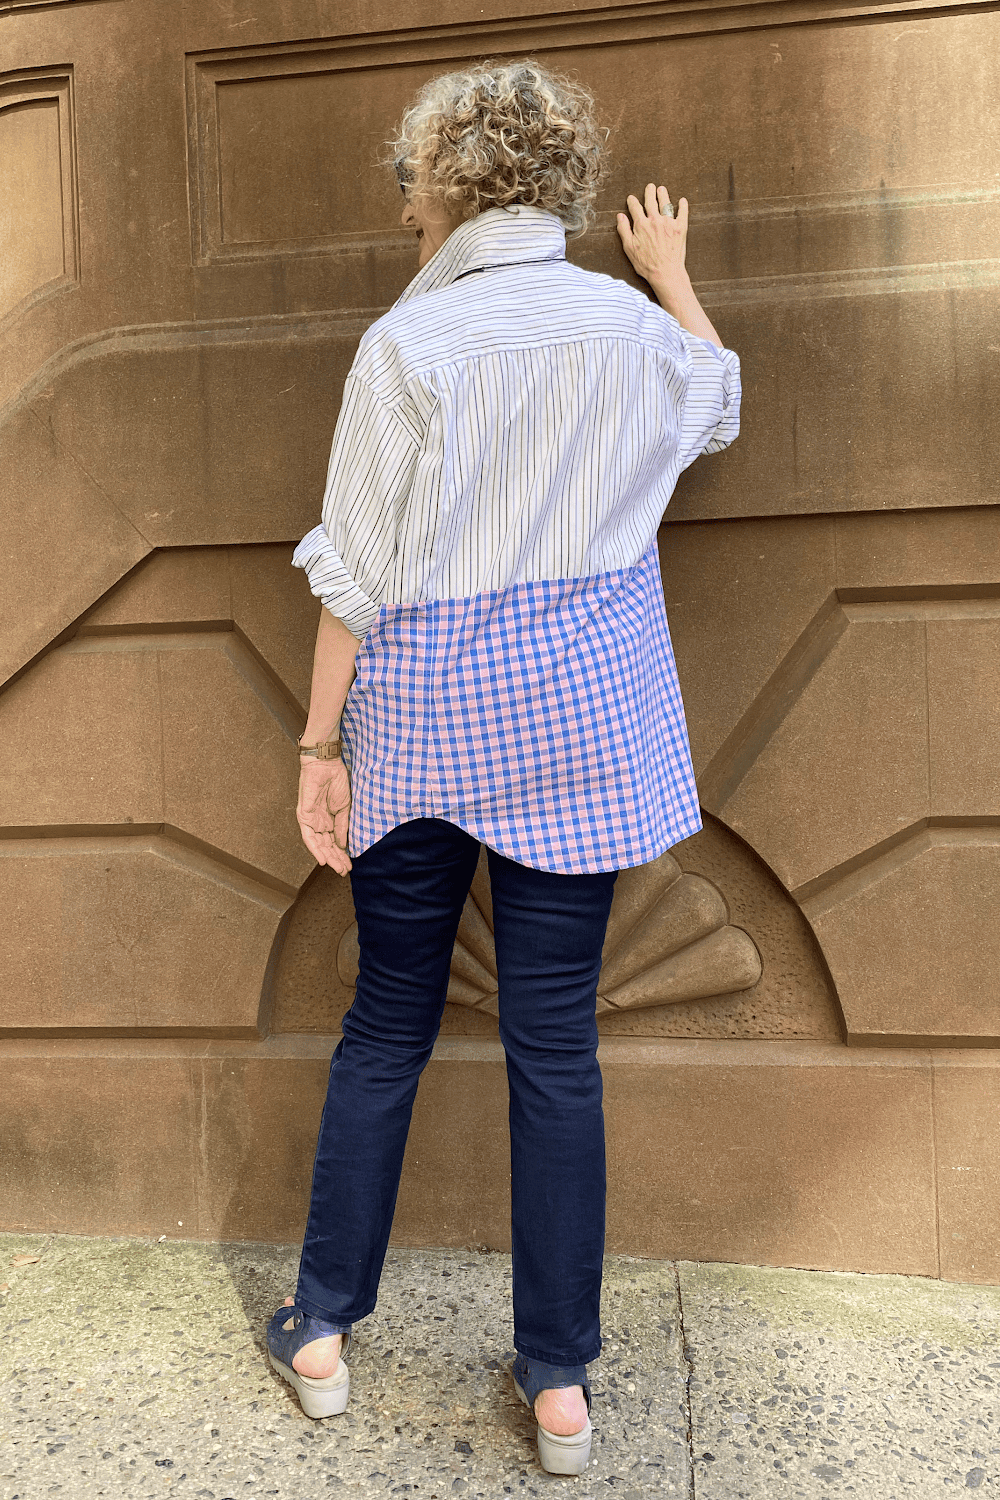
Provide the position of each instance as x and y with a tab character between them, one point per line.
328	750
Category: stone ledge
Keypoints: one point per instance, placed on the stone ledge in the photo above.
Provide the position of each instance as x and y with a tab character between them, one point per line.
798	1154
613	1051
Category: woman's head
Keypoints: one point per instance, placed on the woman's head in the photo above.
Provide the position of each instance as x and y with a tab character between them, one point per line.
494	136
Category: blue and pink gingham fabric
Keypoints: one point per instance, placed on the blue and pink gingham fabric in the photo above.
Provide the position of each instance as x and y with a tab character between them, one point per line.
544	718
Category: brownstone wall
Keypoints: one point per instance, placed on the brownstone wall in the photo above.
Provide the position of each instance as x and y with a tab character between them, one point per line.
800	1006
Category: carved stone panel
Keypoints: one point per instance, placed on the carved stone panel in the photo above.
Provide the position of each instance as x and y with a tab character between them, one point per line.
913	940
669	940
680	958
185	729
38	214
130	934
856	749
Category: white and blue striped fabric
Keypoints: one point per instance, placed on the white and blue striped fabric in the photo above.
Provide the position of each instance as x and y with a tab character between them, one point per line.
511	433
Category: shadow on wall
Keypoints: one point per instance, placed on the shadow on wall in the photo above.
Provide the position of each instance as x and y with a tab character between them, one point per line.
272	1144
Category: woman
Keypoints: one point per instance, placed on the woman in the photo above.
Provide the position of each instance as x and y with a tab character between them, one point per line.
493	634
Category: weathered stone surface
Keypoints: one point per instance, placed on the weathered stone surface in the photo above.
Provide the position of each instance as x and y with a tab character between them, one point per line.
966	1108
230	768
709	1152
963	690
635	889
739	596
310	994
846	765
724	961
762	1152
690	909
793	997
123	147
913	943
185	729
135	419
822	440
40	209
80	739
937	548
254	587
98	1138
64	542
130	935
261	1114
766	1151
276	612
174	586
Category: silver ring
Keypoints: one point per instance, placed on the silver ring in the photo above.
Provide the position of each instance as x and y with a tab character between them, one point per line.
670	210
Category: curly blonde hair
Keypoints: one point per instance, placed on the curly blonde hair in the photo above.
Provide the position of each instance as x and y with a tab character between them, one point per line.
496	135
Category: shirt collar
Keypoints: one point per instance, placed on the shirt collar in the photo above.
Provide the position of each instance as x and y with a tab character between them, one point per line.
498	237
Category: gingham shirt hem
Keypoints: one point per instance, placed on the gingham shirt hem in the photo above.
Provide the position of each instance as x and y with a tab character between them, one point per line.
544	718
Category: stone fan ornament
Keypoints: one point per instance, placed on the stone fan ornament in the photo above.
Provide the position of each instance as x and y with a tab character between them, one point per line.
669	939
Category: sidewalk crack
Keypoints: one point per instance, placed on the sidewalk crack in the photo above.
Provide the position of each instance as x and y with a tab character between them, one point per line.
688	1373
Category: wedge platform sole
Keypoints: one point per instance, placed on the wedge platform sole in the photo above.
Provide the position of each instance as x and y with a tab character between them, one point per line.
318	1398
562	1455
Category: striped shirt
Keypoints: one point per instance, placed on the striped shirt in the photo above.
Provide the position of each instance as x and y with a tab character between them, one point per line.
510	435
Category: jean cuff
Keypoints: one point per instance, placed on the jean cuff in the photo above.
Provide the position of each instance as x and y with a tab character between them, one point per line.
316	1310
535	1375
558	1361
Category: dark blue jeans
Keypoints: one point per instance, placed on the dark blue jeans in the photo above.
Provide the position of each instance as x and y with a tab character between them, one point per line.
409	890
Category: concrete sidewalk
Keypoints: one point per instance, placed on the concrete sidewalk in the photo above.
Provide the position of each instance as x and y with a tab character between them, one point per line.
135	1368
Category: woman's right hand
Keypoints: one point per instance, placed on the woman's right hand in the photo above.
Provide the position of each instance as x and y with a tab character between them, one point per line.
654	241
324	811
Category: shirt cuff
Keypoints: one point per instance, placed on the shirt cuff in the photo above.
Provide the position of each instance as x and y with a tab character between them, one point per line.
330	581
728	428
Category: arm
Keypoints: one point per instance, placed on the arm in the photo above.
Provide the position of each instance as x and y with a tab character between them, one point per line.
656	243
324	805
332	675
347	559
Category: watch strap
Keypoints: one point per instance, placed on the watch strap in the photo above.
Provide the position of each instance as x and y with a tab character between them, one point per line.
327	750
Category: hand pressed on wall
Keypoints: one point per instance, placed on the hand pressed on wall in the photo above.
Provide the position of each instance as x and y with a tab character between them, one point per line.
324	811
655	242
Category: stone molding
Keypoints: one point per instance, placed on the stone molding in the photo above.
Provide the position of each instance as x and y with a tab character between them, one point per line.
209	75
54	194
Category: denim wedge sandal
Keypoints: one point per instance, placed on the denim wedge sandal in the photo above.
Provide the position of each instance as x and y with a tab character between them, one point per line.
287	1332
558	1455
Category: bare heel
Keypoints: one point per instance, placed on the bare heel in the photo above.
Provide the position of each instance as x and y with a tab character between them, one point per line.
561	1455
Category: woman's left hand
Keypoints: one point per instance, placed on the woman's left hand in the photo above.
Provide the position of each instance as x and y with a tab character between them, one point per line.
654	241
324	811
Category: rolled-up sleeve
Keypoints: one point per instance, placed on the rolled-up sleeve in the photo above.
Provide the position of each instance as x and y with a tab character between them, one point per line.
711	417
348	558
330	581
